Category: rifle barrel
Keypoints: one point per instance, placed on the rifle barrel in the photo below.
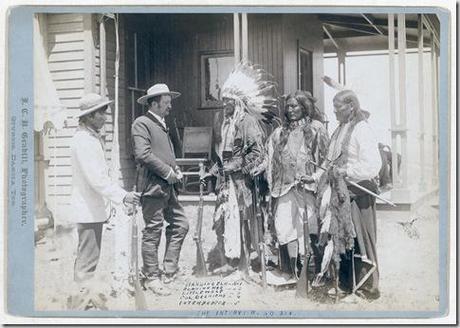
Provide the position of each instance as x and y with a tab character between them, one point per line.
139	298
259	232
200	260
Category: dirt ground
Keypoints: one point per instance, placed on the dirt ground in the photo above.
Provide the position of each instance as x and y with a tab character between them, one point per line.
408	261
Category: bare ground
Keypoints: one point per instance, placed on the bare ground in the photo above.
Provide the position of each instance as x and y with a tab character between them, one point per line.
409	276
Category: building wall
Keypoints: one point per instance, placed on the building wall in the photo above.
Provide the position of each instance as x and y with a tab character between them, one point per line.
265	41
169	49
74	61
67	48
126	163
175	42
306	31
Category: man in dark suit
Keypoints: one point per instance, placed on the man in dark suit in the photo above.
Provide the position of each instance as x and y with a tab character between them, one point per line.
158	172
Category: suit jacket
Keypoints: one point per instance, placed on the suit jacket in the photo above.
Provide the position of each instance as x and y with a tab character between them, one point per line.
154	152
91	184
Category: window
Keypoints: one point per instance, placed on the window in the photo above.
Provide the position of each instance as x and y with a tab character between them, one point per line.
215	68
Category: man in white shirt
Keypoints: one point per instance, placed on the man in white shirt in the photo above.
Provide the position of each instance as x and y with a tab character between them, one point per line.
91	185
354	153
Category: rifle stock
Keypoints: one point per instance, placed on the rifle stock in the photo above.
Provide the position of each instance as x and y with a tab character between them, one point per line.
139	295
200	268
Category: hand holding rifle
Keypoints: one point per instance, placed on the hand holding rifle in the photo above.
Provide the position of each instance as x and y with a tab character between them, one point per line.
132	197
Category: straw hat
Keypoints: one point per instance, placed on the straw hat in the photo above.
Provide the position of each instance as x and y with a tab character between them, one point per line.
157	90
92	102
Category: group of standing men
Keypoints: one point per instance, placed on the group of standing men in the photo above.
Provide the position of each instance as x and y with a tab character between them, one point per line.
308	177
306	171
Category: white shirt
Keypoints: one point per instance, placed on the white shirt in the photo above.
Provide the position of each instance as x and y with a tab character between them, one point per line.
364	160
92	187
159	118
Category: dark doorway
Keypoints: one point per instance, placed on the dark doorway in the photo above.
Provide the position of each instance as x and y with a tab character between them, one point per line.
305	70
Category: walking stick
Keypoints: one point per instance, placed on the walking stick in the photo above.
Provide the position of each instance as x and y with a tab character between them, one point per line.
302	283
139	296
200	268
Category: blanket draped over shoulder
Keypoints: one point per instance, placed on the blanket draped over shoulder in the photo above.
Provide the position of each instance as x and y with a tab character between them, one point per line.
334	197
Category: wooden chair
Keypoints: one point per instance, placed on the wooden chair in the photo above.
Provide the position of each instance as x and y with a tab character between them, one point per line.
196	149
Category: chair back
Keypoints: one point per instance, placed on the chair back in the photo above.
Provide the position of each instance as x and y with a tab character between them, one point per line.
197	142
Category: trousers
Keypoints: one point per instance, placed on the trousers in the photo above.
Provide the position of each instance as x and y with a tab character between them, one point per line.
155	211
88	251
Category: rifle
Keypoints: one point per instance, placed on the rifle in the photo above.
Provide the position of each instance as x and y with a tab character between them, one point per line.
139	296
259	232
302	283
200	268
354	184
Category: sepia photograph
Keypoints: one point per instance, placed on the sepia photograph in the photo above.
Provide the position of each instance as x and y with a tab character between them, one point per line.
239	163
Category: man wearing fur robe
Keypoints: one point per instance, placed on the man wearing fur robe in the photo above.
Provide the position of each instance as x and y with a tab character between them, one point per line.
347	214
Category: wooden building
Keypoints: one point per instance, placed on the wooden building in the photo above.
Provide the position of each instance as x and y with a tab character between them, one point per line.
191	53
168	48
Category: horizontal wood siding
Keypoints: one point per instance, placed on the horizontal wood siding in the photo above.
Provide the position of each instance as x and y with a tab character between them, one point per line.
66	59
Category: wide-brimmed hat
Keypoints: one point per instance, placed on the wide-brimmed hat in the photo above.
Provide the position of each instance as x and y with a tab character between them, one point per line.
92	102
157	90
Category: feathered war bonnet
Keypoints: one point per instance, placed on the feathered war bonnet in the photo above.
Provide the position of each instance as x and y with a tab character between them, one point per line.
254	92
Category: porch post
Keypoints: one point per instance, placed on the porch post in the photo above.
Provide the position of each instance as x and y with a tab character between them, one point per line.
421	104
391	60
434	120
236	37
244	36
341	54
402	96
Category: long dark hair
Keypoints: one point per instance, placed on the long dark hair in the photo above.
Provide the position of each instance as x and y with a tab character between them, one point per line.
307	102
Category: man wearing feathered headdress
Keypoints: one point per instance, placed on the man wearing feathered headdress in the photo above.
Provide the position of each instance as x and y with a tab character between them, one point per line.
248	105
301	138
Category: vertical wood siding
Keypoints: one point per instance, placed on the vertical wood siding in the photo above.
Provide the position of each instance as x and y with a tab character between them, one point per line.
265	44
169	49
307	30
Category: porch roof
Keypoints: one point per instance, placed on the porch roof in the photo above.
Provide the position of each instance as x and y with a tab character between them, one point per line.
367	31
